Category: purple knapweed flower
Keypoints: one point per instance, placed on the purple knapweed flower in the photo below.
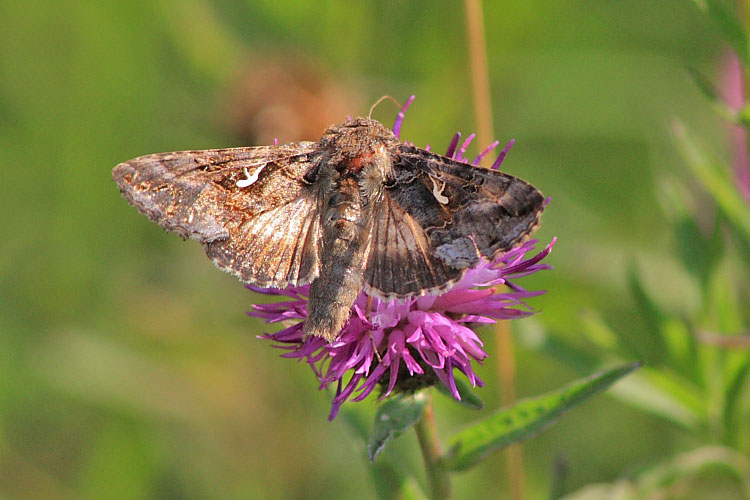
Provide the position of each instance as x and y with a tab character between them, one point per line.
734	96
409	343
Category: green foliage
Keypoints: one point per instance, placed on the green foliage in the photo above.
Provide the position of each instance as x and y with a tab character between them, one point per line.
729	25
699	357
678	478
477	442
395	416
688	377
715	179
391	481
523	420
699	250
691	381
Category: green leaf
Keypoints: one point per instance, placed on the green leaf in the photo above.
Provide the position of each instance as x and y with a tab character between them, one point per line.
698	251
643	390
596	330
468	397
672	396
666	394
390	479
650	341
627	342
525	419
735	377
742	116
704	85
729	25
682	348
677	474
716	180
737	116
725	305
395	416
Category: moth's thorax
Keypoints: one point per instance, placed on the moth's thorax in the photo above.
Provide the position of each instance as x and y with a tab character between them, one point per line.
355	164
355	144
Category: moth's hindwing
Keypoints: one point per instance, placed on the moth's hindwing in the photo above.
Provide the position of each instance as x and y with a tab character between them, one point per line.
401	259
250	207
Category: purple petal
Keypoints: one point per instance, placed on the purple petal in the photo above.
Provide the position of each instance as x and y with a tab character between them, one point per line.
459	156
400	116
473	318
484	153
501	156
451	298
452	146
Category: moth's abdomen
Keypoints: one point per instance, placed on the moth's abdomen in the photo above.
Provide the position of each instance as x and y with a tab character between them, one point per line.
341	277
342	225
342	251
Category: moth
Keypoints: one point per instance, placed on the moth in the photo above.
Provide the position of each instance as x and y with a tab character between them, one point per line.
356	210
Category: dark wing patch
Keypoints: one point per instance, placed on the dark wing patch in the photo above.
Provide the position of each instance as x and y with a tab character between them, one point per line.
494	210
400	260
439	217
250	207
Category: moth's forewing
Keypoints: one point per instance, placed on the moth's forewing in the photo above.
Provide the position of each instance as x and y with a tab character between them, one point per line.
250	207
439	217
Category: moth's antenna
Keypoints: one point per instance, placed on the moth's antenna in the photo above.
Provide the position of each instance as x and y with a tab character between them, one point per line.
372	108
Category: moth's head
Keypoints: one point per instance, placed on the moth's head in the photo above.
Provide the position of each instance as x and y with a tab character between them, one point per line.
357	143
365	130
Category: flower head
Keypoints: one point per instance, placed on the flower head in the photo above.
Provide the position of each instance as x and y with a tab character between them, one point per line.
410	343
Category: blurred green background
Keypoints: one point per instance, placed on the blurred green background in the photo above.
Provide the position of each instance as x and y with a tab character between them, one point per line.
128	368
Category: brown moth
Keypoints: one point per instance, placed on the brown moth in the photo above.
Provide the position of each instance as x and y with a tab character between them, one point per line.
357	209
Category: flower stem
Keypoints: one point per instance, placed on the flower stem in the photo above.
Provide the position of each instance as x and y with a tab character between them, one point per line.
437	476
506	364
480	80
483	111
